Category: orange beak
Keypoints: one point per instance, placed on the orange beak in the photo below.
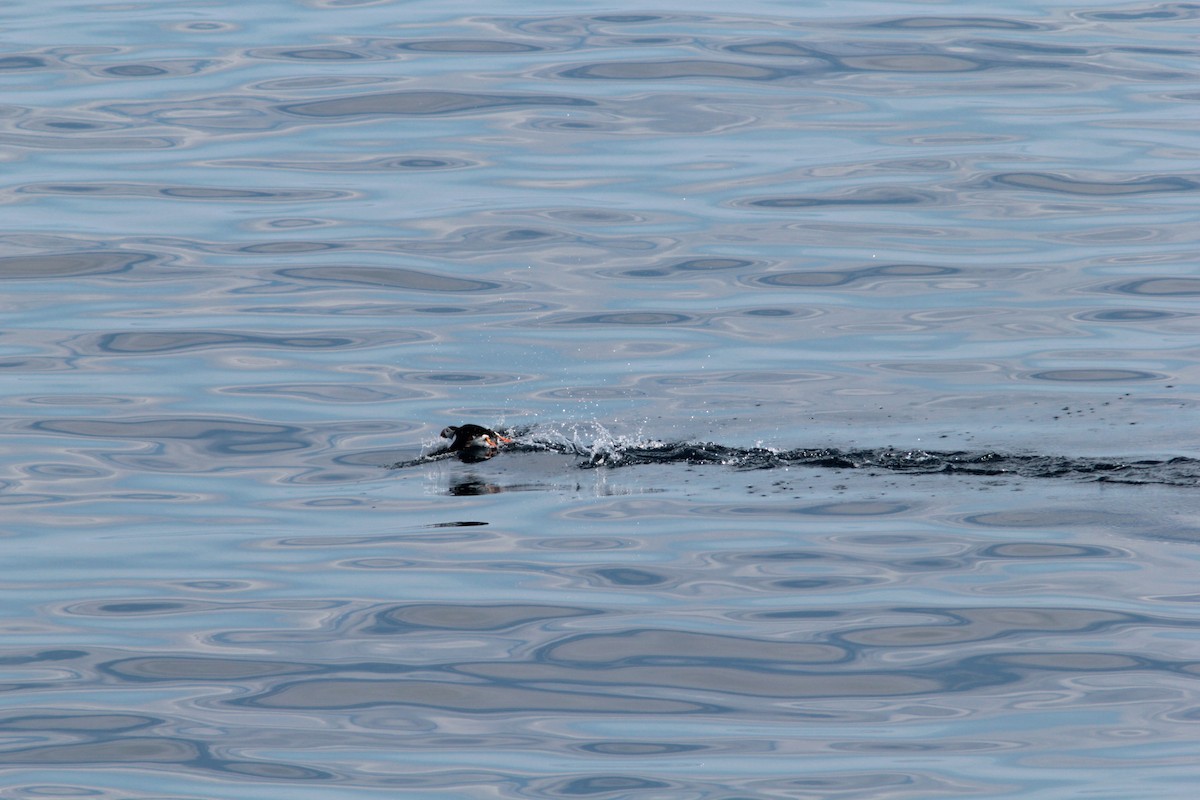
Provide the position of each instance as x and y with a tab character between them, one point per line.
493	443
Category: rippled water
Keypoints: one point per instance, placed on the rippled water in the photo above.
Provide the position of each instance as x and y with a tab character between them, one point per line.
850	354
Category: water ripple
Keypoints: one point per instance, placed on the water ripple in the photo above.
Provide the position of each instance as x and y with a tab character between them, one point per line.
226	436
176	341
1155	184
419	103
393	278
868	196
203	193
415	162
41	266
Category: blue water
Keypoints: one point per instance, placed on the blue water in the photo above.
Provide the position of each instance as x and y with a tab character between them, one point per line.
850	351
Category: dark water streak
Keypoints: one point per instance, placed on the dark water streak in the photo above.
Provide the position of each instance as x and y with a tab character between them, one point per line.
1178	471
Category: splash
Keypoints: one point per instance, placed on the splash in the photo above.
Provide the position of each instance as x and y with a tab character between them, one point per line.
597	447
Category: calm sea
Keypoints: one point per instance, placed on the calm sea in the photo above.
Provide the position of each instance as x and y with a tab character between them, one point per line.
850	351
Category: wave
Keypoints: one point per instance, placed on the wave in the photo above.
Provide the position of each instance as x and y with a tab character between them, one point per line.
595	447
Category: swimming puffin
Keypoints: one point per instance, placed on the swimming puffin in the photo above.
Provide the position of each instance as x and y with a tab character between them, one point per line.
473	442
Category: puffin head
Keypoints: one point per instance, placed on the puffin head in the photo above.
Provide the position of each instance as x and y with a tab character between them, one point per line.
473	442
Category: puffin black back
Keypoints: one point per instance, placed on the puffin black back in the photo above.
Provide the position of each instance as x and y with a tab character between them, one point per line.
473	443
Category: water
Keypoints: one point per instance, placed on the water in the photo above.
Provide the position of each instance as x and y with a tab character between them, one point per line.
850	353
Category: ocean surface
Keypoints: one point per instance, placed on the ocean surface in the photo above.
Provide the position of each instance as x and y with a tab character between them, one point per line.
850	351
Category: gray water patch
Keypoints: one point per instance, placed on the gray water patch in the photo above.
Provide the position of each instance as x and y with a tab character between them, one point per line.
43	266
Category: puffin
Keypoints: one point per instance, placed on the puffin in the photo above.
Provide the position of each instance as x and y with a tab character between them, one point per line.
473	442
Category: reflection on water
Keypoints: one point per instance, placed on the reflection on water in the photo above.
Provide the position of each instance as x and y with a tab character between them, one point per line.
850	354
